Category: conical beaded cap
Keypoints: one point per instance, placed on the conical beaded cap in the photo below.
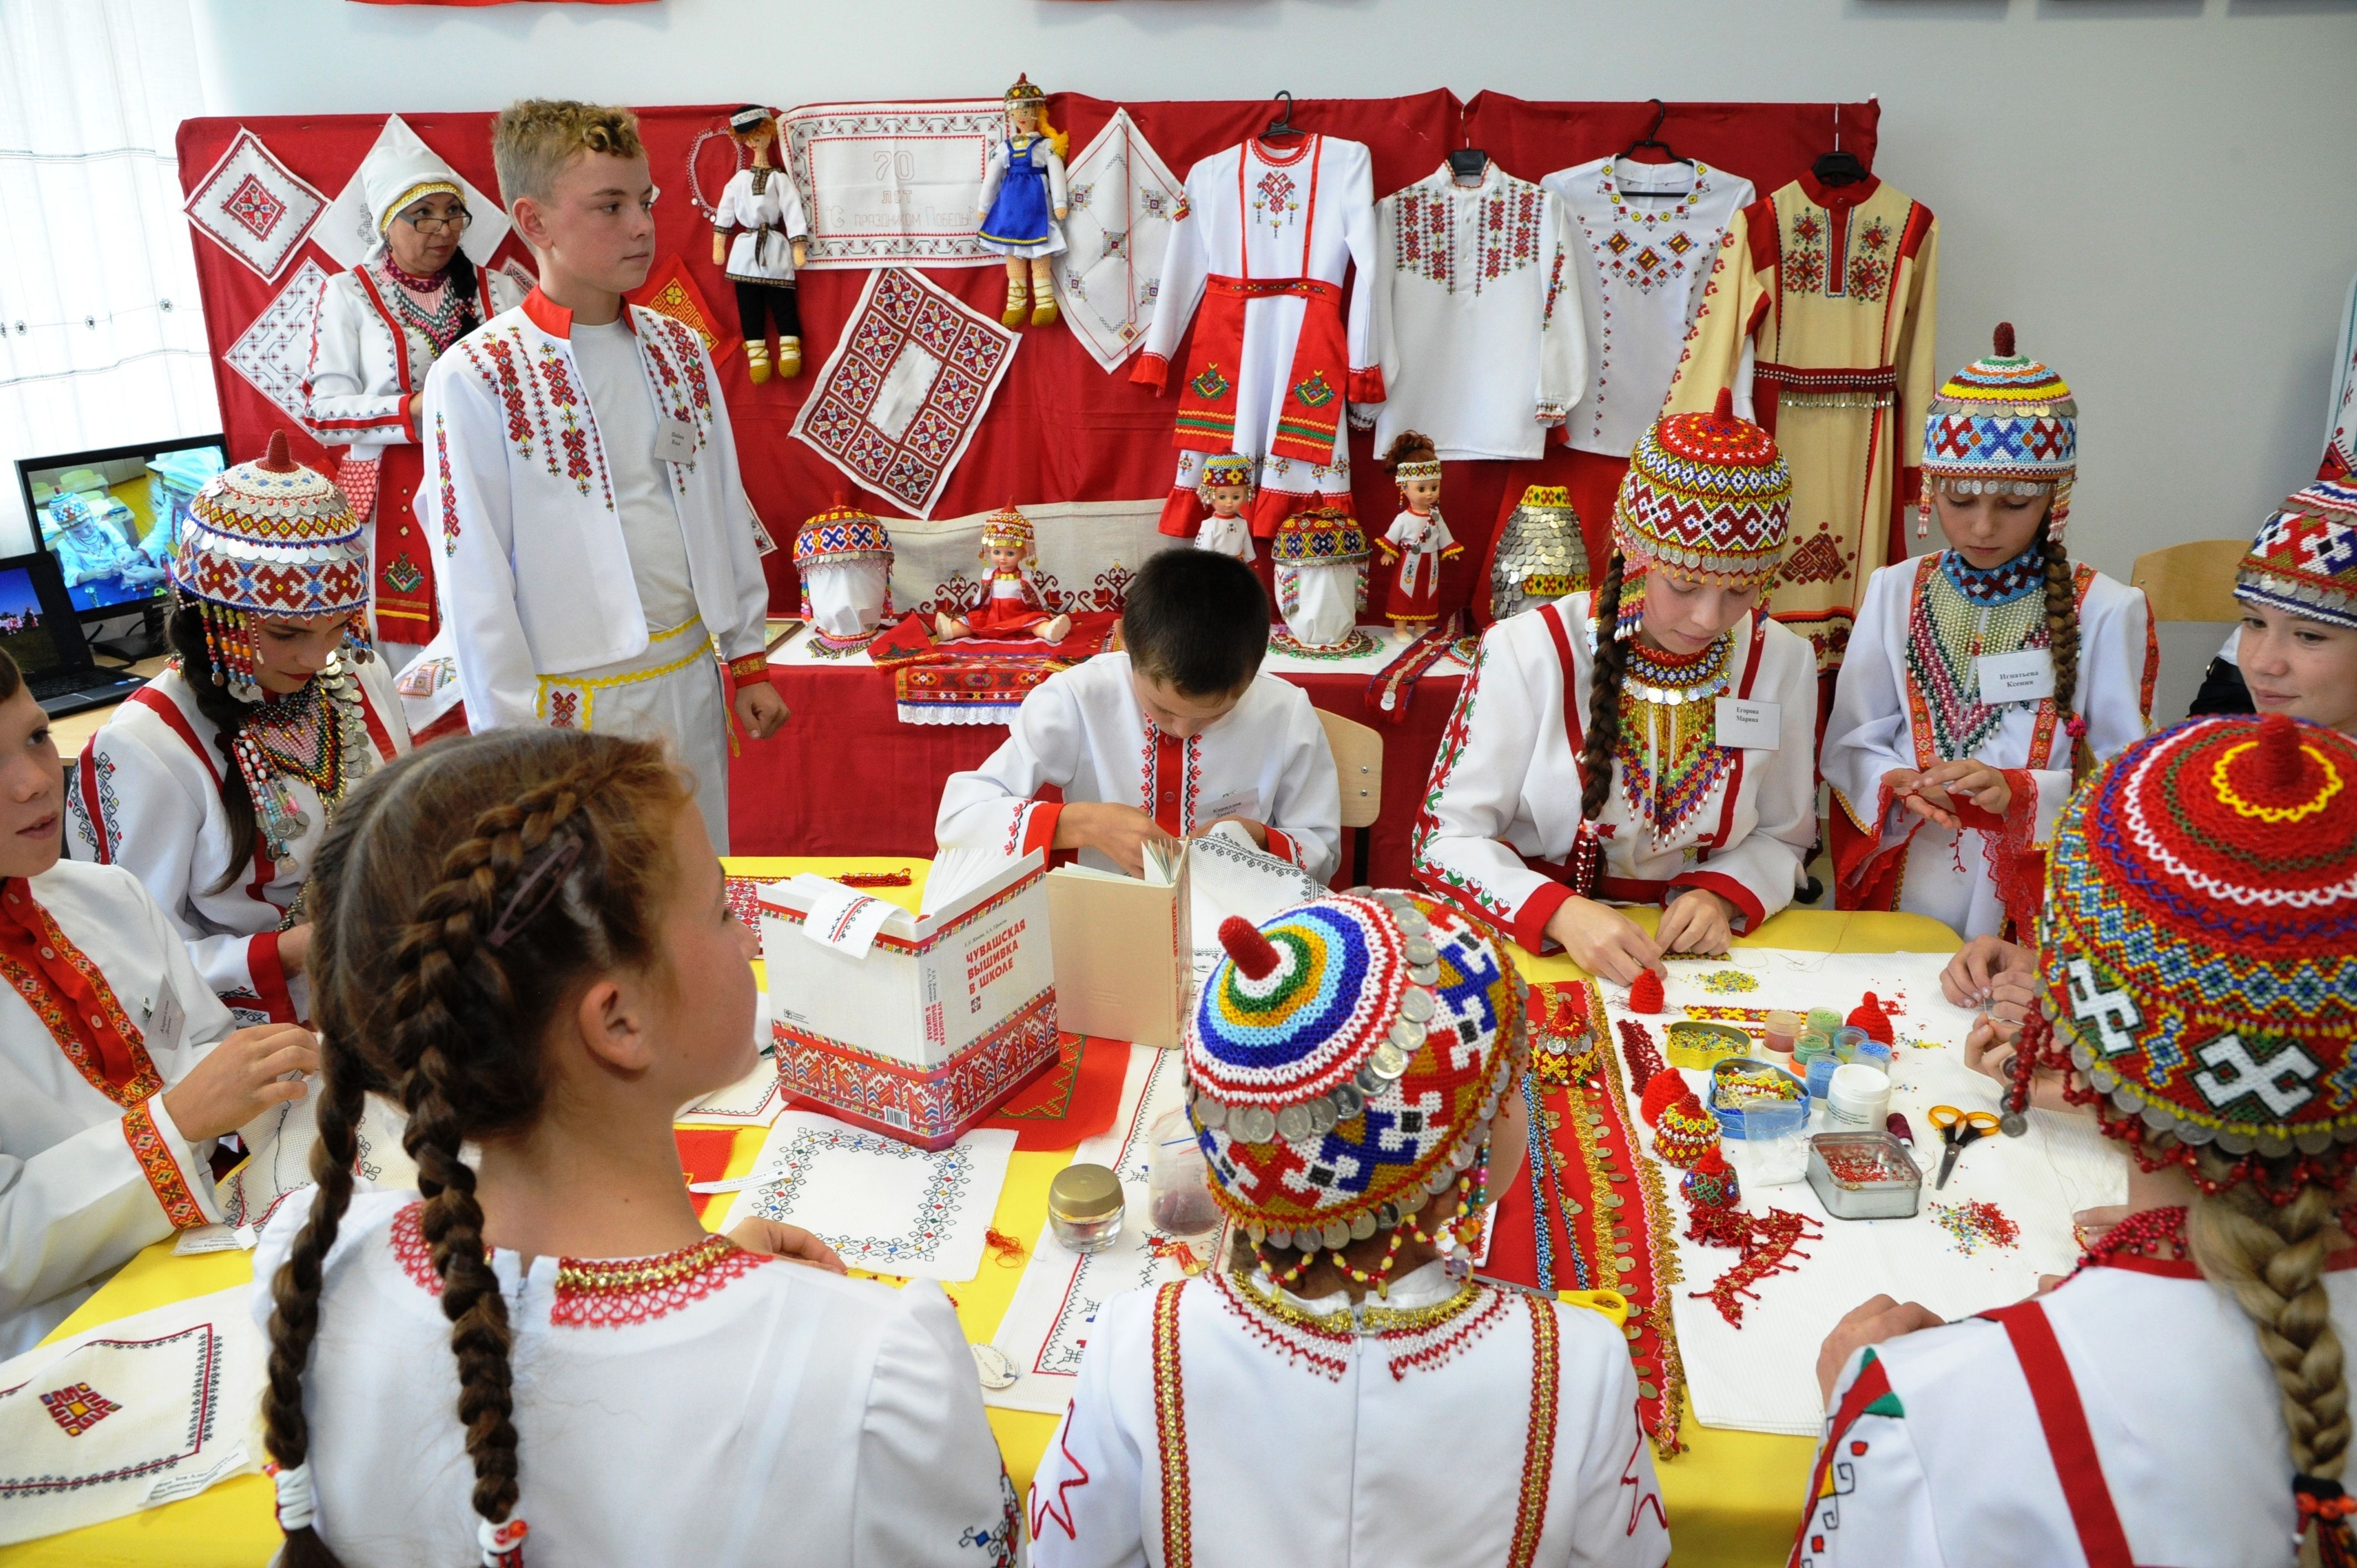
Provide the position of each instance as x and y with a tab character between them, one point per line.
272	538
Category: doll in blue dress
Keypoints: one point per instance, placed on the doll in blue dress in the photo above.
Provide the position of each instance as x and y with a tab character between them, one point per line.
1023	200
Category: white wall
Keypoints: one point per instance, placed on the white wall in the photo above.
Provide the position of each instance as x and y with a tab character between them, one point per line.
2156	192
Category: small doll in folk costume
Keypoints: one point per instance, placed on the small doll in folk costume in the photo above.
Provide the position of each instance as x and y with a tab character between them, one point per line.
1351	1080
1023	200
1226	488
1417	541
765	210
843	556
2182	1396
1981	680
1011	604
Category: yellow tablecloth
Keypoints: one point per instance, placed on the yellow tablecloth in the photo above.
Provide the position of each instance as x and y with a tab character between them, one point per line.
1733	1497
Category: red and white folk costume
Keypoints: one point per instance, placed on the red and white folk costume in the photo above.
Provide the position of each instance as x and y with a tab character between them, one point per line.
103	1011
379	332
1501	832
1226	1420
1479	339
555	537
1082	731
1414	547
740	1370
2200	915
260	540
1262	243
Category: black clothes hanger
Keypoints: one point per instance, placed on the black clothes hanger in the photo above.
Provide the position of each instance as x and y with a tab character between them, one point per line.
1649	139
1468	164
1281	123
1837	167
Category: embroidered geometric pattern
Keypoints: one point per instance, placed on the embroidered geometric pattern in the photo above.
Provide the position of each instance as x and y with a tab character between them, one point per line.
77	1408
1947	631
949	1180
1708	494
1668	752
1170	1430
1444	880
1819	560
2304	559
161	1171
254	207
407	1238
274	352
1503	236
609	1292
38	994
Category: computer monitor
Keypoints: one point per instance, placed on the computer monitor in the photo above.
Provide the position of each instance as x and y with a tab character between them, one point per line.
24	630
114	556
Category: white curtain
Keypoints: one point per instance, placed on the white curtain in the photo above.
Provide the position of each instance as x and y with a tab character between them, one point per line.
102	337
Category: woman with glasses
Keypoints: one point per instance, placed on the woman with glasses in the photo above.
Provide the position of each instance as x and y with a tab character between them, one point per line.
381	327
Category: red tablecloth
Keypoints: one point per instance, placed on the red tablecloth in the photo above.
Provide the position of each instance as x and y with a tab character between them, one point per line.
846	777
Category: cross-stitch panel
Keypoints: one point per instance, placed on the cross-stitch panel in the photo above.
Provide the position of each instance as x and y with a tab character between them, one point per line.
900	397
885	183
886	1206
254	207
1123	199
273	354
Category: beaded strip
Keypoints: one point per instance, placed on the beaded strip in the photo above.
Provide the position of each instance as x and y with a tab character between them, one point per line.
609	1292
1542	1238
1538	1447
1170	1430
1947	630
1668	745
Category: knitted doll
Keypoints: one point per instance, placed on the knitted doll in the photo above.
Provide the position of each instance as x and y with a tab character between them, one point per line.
766	210
1011	604
1226	488
1417	541
1023	200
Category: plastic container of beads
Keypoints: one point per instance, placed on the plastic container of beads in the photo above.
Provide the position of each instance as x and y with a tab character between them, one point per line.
1742	1081
1864	1175
1846	1040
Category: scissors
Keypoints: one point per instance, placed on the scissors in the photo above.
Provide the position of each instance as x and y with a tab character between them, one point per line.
1958	1128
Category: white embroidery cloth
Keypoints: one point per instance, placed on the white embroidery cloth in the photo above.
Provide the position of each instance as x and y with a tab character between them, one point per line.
1123	199
278	1164
274	352
254	207
900	398
890	183
1047	1323
1761	1376
131	1414
886	1206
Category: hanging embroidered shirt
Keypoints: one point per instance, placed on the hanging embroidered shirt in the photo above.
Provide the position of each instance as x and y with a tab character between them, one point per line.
1834	288
103	1010
1911	696
1502	815
737	1368
146	795
1648	234
1218	1414
1264	242
1475	330
1081	730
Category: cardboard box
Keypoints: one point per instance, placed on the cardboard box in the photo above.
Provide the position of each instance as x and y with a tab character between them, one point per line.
925	1030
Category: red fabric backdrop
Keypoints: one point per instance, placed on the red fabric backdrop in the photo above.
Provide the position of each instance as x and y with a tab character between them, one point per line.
1061	429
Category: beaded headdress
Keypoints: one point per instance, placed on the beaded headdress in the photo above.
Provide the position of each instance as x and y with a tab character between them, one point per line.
1007	529
2003	426
70	510
749	119
2305	557
1540	553
840	534
1708	495
1345	1061
273	539
1225	468
1025	91
1316	535
2200	947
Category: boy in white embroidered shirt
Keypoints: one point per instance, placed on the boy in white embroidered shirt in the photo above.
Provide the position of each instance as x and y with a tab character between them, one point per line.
595	556
1159	741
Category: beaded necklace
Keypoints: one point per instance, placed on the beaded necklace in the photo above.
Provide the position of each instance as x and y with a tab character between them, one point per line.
1667	750
1414	1339
428	305
316	736
1960	613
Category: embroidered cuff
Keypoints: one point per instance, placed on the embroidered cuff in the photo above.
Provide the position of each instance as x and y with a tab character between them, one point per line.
752	669
1749	911
269	975
1039	826
1554	413
1151	370
1531	920
1281	844
1970	815
169	1164
1367	385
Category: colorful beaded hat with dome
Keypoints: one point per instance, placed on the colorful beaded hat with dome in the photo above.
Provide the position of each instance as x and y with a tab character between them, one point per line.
841	536
1318	534
1223	469
272	539
70	510
1708	496
2305	557
1007	529
1344	1062
2003	426
2200	948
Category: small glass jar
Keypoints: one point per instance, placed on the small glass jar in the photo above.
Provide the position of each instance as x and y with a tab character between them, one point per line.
1084	1207
1846	1040
1824	1021
1810	1046
1783	1030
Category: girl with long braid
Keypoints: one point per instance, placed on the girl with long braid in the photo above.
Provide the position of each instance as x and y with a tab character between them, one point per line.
2183	1397
1651	745
1982	681
522	939
214	782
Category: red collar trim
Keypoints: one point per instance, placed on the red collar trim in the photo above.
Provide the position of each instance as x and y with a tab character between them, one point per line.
1271	156
555	319
1830	195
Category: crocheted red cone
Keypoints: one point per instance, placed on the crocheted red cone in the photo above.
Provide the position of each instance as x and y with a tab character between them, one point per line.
1662	1091
1868	1015
1645	995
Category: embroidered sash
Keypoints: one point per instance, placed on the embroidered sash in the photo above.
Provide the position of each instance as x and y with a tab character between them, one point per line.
69	995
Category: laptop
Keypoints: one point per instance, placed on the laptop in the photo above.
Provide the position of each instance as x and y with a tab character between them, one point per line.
40	631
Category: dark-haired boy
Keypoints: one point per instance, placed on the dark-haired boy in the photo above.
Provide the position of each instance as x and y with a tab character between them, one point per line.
1159	741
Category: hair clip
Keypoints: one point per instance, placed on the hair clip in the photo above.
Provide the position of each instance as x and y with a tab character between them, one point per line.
533	890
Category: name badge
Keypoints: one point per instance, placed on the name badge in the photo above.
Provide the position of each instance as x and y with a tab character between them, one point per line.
1748	724
165	1020
2024	677
675	441
1242	803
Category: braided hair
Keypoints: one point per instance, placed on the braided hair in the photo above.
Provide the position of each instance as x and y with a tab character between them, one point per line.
2062	643
1595	757
416	881
184	629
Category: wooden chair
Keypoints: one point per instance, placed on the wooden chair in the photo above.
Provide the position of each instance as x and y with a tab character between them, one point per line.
1359	762
2193	580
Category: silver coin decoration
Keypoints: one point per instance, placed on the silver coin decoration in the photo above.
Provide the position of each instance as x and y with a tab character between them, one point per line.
1416	1005
1210	1113
1292	1123
1361	1226
1252	1123
1389	1061
1322	1116
1349	1101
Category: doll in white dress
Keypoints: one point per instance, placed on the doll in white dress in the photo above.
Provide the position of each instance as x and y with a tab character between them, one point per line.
765	210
